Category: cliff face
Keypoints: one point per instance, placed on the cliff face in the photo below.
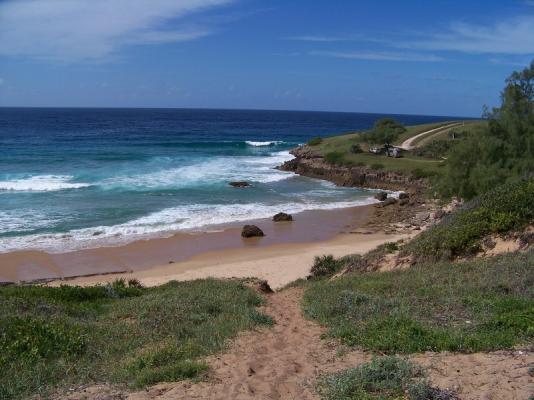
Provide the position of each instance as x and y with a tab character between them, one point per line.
308	163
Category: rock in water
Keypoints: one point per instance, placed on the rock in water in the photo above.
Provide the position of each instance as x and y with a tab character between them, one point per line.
239	184
251	231
282	217
381	196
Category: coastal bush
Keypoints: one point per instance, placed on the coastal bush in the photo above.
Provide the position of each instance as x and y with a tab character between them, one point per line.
508	207
386	378
119	333
325	265
377	166
356	149
335	158
483	305
501	150
385	131
435	149
315	141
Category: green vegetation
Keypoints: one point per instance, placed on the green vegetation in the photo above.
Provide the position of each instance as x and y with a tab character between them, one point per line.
502	150
119	333
385	131
384	378
315	141
482	305
499	211
335	158
325	266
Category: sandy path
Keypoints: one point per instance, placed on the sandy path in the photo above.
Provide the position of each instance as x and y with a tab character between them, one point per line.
408	143
283	362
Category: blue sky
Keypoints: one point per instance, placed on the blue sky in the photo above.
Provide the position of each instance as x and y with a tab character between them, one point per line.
418	57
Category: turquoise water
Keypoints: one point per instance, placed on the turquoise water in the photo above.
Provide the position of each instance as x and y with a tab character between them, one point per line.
74	178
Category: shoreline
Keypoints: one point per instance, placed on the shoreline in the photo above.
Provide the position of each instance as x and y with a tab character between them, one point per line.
309	229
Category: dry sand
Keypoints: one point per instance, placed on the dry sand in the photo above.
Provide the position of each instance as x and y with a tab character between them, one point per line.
279	264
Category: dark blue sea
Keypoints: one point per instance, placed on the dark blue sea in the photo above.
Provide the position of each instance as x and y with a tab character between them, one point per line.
72	178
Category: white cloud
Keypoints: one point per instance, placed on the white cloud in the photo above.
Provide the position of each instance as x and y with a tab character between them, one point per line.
75	30
511	36
379	56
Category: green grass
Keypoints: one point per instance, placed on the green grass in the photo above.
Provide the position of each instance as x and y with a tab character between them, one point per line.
506	208
483	305
120	333
469	127
384	378
337	150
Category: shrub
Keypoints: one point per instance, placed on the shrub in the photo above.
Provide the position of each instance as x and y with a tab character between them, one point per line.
377	166
315	141
386	377
499	211
325	266
356	149
335	158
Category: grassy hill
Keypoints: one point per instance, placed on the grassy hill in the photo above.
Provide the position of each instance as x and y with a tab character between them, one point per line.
119	333
340	149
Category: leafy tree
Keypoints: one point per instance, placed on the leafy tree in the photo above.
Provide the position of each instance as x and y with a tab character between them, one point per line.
501	152
385	131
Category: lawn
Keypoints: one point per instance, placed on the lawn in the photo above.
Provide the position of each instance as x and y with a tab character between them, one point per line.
121	334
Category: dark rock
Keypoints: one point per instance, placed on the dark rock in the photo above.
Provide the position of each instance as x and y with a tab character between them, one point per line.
526	239
282	217
404	201
381	196
264	287
389	201
489	243
239	184
251	231
403	195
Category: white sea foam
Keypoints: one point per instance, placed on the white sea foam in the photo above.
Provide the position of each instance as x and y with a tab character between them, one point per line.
191	217
209	172
41	183
260	144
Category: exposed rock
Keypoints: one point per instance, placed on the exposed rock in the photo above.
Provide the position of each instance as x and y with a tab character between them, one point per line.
239	184
251	231
489	243
282	217
389	201
421	217
439	214
526	239
404	201
308	162
264	287
403	195
381	196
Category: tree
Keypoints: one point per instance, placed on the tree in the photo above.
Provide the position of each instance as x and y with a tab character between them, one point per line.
501	152
385	131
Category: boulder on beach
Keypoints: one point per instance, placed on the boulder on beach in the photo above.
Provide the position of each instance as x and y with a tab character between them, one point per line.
251	231
239	184
403	195
389	201
281	216
381	196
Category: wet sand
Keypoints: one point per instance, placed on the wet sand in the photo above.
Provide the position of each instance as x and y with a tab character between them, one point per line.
284	253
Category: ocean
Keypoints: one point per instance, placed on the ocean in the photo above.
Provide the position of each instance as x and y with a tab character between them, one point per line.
81	178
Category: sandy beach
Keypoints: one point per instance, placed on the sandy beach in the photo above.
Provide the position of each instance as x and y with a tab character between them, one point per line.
285	254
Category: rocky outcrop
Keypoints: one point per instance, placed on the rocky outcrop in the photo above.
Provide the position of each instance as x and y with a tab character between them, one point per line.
280	217
308	162
381	196
239	184
251	231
